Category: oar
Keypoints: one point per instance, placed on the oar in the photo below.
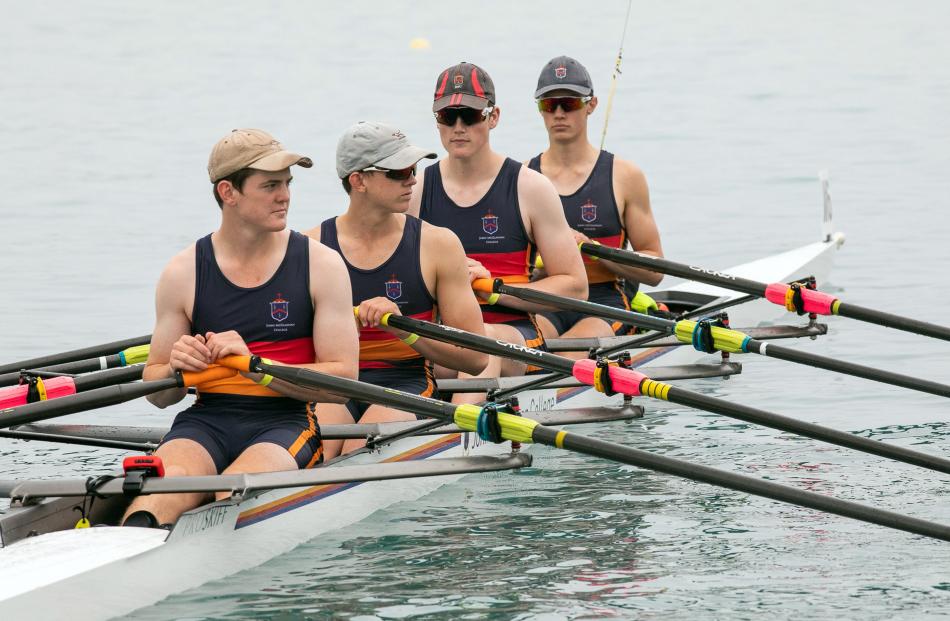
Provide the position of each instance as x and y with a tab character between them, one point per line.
724	339
43	389
519	429
126	357
102	397
105	349
78	440
610	378
796	299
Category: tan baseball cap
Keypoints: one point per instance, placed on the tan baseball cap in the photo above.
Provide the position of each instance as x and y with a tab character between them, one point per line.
251	148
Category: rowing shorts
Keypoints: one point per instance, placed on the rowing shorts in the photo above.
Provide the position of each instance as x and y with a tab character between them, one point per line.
606	293
532	338
226	425
416	380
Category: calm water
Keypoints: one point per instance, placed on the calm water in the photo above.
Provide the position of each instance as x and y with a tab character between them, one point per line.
109	111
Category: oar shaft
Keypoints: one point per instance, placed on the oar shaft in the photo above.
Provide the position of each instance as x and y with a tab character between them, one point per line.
105	349
607	450
665	266
674	394
109	377
741	483
590	308
810	430
77	440
889	320
848	368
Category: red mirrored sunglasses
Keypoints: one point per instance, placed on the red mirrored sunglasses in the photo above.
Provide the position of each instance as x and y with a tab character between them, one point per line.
402	174
568	104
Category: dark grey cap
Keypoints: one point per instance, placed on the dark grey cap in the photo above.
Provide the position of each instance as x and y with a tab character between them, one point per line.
376	144
564	73
463	85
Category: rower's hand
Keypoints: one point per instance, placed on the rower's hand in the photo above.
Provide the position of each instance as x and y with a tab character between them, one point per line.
580	238
228	343
190	353
369	314
476	270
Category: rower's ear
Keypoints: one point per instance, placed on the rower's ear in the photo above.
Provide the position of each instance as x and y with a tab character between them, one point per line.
493	117
591	105
357	182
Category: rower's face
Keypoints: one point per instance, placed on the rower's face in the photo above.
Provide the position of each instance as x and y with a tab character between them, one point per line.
265	199
385	191
461	140
567	125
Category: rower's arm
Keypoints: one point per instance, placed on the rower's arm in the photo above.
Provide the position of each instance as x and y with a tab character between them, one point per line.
547	227
335	339
173	294
458	307
630	187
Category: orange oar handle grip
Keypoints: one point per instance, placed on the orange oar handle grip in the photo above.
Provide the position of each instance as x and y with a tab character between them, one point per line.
236	363
210	374
485	285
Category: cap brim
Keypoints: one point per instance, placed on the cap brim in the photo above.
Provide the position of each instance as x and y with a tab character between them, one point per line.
404	158
583	91
280	161
457	100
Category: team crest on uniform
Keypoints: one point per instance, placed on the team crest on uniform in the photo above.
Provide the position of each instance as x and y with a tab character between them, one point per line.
560	72
393	288
458	80
279	308
588	211
490	223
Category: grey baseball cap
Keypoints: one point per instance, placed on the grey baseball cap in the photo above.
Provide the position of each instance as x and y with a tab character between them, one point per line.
564	73
369	143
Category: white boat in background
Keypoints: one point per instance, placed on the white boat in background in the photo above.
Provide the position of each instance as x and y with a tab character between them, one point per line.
102	572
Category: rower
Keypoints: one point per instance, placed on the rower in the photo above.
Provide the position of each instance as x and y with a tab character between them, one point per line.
397	264
251	287
605	199
502	211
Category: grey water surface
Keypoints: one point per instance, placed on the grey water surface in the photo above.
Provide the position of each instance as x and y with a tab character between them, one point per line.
108	111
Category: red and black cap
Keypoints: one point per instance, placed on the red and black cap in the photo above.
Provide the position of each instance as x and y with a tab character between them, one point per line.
465	85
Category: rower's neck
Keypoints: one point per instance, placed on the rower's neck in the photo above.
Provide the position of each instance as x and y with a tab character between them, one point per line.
365	220
244	243
573	153
483	165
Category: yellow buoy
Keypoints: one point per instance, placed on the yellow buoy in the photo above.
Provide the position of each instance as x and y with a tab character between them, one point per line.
419	44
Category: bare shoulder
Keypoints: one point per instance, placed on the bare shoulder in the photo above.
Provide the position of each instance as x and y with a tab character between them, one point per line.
322	256
314	233
180	268
628	173
536	189
439	239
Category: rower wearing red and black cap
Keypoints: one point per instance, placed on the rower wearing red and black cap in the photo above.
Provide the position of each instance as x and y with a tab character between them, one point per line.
502	211
605	199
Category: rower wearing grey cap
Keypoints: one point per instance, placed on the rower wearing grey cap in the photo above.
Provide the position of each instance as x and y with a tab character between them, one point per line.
501	210
605	199
251	287
397	264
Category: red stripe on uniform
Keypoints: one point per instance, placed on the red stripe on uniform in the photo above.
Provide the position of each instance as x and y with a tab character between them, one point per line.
292	351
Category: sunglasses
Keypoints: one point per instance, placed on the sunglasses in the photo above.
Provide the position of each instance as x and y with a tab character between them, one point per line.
402	174
469	116
568	104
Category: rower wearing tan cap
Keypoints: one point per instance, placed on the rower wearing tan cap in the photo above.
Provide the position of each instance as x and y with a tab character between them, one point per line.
251	287
397	264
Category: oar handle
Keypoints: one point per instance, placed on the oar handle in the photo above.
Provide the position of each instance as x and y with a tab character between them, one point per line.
484	285
211	374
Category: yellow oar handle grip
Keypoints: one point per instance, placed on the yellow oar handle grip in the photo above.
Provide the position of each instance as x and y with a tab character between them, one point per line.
135	355
513	428
724	339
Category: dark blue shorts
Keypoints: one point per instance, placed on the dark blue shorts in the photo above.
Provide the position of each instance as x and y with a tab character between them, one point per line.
416	380
226	425
606	293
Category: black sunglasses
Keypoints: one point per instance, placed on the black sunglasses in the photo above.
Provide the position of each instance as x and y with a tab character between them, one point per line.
469	116
402	174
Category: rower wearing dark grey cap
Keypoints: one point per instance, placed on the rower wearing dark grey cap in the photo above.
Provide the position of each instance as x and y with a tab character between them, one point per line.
397	264
605	199
502	211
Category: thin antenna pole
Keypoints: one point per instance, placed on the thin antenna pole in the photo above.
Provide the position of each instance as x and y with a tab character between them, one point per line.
613	83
